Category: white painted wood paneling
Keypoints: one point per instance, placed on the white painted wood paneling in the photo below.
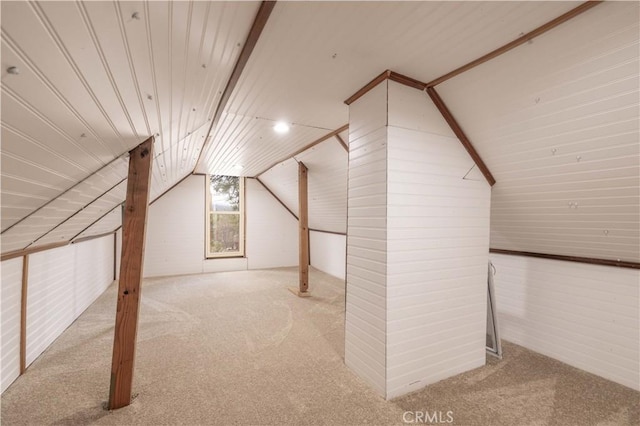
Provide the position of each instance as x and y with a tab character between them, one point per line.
584	315
327	185
557	121
282	180
272	232
95	80
10	302
437	248
63	282
339	46
328	253
366	316
175	239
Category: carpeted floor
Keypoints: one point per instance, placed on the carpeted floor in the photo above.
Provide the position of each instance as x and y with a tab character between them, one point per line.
239	348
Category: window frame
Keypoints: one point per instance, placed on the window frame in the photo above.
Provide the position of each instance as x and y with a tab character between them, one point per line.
241	220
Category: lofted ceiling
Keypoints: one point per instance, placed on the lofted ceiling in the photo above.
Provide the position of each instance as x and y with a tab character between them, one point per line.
311	56
557	122
96	78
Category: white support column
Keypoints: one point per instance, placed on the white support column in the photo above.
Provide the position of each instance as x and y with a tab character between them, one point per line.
418	245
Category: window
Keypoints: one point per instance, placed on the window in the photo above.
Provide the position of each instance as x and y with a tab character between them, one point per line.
225	214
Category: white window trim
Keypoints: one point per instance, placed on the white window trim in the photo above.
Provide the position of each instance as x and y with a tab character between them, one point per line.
207	224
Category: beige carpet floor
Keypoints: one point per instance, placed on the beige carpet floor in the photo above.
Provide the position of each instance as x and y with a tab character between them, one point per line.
238	348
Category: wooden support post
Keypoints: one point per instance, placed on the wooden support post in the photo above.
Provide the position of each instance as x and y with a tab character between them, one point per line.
23	314
303	226
133	235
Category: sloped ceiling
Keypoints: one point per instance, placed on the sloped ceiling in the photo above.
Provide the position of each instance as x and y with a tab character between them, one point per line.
557	122
94	80
312	56
326	187
97	78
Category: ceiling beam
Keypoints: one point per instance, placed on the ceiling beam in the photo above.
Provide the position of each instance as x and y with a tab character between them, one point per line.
589	260
23	252
367	87
259	22
276	197
517	42
306	147
342	143
464	140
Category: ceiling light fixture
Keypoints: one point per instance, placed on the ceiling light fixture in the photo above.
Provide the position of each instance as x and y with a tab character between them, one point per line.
281	127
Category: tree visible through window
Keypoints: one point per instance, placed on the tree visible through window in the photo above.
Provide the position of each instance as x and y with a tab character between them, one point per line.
225	227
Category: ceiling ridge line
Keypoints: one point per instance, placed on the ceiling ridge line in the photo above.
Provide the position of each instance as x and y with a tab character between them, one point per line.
259	22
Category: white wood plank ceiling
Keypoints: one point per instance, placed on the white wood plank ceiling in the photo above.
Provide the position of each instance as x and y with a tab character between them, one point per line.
94	80
312	56
97	78
557	122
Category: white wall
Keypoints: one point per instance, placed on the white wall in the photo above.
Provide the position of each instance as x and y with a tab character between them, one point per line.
366	316
63	282
417	245
437	248
10	300
175	239
176	231
272	232
328	253
584	315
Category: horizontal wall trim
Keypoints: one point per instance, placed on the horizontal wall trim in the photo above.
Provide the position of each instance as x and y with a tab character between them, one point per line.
31	250
92	237
306	147
327	232
589	260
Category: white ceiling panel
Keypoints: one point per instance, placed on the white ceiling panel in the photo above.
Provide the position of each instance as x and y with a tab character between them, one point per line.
75	224
108	223
94	80
311	56
247	145
557	122
97	189
282	180
327	185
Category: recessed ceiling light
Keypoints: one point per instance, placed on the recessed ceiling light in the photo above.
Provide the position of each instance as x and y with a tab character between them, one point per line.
281	127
